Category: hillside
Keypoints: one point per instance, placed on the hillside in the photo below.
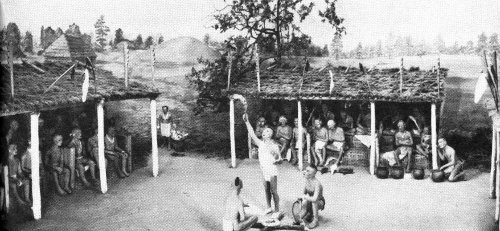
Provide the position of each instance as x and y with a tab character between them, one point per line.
184	50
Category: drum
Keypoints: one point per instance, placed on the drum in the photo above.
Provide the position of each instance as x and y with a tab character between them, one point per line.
397	172
382	172
418	174
437	176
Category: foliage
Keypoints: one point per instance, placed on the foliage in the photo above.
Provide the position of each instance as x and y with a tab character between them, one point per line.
119	36
337	46
161	39
101	31
493	42
149	42
13	40
28	42
138	42
271	19
73	29
482	43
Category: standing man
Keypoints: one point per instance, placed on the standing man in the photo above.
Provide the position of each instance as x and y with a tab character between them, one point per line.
165	122
283	136
453	168
235	218
269	157
312	198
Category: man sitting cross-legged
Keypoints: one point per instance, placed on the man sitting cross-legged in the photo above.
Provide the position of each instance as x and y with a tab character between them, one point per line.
55	162
312	198
235	218
81	160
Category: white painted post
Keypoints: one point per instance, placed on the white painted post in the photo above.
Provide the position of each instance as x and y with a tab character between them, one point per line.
154	142
434	137
231	132
493	163
249	147
100	145
6	187
300	139
257	67
35	167
497	180
372	146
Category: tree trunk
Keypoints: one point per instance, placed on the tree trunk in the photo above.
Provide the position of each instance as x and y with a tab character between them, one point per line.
277	32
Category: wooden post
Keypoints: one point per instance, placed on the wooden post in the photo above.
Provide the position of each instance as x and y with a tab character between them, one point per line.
300	139
249	147
401	77
6	187
438	76
128	149
493	163
230	60
231	132
153	60
257	67
100	145
125	63
35	167
372	146
10	60
497	180
434	136
154	142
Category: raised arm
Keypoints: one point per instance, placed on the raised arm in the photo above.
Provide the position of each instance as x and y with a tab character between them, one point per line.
250	130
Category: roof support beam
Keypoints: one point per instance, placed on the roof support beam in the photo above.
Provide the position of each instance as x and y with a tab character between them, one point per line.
434	136
493	171
100	147
231	132
154	142
35	166
300	139
373	138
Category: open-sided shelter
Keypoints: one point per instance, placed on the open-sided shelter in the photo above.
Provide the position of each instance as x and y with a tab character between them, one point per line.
32	96
346	84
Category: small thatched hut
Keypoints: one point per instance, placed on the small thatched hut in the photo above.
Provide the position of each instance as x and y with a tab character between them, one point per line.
348	85
70	48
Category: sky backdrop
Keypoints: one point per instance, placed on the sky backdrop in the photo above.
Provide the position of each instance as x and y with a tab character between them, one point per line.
366	20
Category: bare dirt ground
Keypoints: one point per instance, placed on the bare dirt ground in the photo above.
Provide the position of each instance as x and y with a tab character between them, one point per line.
189	193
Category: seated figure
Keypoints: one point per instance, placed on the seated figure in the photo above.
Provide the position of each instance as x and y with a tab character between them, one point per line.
17	180
312	200
178	138
283	136
81	160
114	153
295	144
320	137
235	218
451	165
346	123
336	142
60	173
404	143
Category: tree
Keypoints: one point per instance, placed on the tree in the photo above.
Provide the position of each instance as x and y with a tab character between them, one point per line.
28	42
409	47
325	52
337	46
119	36
493	42
206	39
378	50
149	42
482	43
73	29
359	51
260	19
389	45
439	45
138	42
13	40
101	31
469	47
161	39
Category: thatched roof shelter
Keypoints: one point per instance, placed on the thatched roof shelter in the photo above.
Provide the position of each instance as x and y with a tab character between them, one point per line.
348	85
69	47
29	86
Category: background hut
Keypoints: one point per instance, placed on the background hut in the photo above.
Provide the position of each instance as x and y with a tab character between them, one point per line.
70	48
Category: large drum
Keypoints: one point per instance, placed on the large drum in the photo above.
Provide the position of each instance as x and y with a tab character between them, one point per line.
437	176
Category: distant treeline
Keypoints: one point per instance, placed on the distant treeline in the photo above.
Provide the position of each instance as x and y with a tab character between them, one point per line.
395	46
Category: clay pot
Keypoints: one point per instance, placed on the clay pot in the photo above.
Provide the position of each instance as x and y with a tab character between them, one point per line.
397	172
418	174
437	176
382	172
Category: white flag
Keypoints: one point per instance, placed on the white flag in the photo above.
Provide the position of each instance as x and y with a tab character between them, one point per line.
481	86
85	85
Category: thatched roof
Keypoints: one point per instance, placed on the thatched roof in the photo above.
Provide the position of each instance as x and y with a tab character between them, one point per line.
29	86
353	85
69	47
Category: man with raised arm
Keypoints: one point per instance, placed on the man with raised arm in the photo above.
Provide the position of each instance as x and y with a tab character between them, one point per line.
235	218
269	157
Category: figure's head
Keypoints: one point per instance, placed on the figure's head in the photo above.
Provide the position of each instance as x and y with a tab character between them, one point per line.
442	142
59	119
58	140
174	125
164	109
76	133
12	150
426	130
296	122
415	111
330	115
310	171
331	124
41	122
261	121
14	125
111	131
282	120
324	108
401	125
267	133
238	184
317	123
343	114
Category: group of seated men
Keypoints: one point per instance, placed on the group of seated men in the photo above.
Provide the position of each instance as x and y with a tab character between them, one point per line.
63	159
